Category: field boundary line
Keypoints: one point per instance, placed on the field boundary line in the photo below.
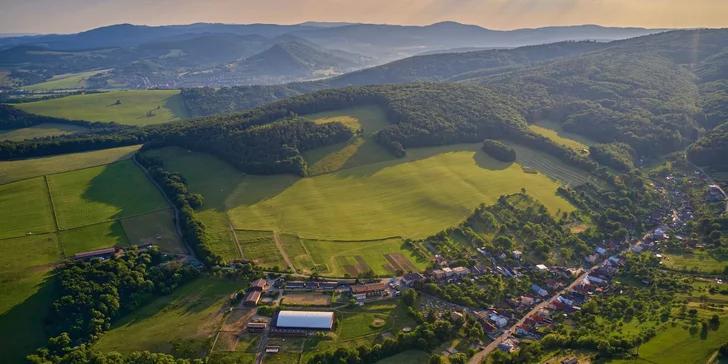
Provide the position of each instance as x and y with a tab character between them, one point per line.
62	172
115	220
235	235
22	236
55	217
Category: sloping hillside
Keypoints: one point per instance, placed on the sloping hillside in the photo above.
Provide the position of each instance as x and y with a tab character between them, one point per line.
293	58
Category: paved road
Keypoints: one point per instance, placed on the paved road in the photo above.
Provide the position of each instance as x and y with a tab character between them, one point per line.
176	210
478	357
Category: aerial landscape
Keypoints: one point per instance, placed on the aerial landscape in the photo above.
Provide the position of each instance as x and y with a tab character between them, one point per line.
395	182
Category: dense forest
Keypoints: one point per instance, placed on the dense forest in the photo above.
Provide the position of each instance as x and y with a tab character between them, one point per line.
619	156
499	151
712	149
14	118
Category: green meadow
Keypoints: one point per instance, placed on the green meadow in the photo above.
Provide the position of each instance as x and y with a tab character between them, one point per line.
25	207
336	258
103	193
553	131
41	131
21	169
260	247
65	81
192	312
132	109
429	190
93	237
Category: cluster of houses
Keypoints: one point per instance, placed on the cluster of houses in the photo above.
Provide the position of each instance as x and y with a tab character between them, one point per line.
449	274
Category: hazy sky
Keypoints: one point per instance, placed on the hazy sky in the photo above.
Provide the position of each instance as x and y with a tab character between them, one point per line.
66	16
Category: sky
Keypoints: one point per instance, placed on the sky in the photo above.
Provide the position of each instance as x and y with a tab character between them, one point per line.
70	16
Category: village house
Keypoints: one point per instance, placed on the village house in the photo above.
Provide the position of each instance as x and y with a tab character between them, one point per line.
509	345
438	274
252	298
517	254
527	300
600	251
460	271
259	285
498	320
593	279
538	290
591	259
440	260
448	272
411	278
542	268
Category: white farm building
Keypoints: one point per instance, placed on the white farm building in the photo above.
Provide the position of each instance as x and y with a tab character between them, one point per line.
304	320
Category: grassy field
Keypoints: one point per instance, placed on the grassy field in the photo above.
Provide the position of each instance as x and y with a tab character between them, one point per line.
551	167
21	169
102	193
554	132
25	208
144	229
215	180
102	107
335	258
407	357
259	246
293	246
93	237
40	131
429	190
65	81
356	152
700	260
192	312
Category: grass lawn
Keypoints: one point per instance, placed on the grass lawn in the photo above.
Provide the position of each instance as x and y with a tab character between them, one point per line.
553	131
260	246
335	258
40	131
356	152
103	193
65	81
699	259
28	251
21	169
297	253
417	196
192	312
145	229
102	107
25	208
407	357
357	324
93	237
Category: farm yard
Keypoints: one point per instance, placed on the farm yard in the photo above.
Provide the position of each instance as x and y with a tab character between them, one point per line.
41	131
306	299
132	109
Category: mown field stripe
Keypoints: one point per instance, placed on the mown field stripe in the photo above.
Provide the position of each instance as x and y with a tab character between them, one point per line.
55	218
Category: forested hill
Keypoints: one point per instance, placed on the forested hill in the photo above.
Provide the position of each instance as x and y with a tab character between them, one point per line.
655	93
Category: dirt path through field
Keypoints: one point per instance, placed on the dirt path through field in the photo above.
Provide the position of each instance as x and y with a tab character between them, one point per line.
235	236
276	238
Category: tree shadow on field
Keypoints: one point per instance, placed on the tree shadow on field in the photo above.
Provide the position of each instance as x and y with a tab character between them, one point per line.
481	159
126	187
23	326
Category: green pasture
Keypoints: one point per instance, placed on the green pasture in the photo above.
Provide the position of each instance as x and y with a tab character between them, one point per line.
417	196
192	312
356	152
260	247
145	229
551	167
553	131
103	193
102	107
25	207
21	169
293	246
93	237
41	131
699	260
65	81
331	257
215	180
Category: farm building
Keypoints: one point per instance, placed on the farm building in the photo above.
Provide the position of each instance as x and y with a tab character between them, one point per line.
252	298
303	320
256	326
95	254
368	290
411	278
259	285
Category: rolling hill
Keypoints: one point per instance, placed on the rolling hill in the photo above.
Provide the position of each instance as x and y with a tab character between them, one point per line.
292	59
